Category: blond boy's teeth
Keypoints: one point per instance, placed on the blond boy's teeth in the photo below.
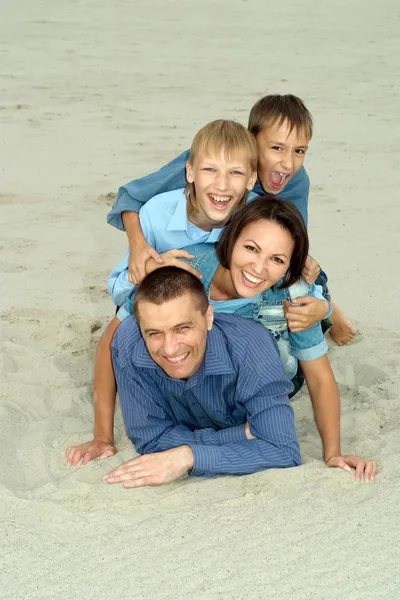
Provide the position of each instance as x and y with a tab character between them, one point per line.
251	278
177	359
221	199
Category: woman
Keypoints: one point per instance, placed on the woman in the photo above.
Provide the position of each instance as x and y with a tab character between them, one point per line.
254	270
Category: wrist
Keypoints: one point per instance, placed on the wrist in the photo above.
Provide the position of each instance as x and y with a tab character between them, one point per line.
331	453
187	457
105	439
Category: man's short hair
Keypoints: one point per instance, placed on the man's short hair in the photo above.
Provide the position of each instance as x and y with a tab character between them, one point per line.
277	108
167	283
215	137
281	212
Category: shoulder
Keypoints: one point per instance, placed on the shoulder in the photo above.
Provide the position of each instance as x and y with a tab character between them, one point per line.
165	202
126	339
243	335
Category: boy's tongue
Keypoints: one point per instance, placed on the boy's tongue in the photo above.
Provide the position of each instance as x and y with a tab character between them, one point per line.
276	179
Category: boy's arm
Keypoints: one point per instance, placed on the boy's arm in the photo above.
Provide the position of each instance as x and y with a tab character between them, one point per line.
102	444
134	194
325	399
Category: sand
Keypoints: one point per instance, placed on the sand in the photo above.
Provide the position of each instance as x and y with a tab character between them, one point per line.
92	95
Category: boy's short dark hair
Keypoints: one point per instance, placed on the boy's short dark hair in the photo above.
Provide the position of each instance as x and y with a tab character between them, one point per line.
277	108
168	283
282	212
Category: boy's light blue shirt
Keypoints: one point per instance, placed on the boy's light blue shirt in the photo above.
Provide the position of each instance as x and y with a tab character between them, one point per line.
165	226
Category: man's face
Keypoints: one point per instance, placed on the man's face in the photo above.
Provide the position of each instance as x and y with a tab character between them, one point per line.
175	334
281	154
220	183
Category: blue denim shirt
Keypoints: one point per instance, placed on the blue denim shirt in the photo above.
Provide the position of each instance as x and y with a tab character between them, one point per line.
266	308
172	176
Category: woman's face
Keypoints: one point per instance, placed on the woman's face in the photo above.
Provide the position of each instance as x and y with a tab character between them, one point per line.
260	257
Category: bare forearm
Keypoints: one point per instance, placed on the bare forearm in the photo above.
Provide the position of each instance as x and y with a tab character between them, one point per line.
104	387
325	399
133	229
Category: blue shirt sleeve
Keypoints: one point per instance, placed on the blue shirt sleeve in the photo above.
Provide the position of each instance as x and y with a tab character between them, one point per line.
148	424
134	194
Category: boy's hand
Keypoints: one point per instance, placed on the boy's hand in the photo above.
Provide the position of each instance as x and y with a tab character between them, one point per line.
311	270
139	255
172	258
362	466
153	469
96	448
304	312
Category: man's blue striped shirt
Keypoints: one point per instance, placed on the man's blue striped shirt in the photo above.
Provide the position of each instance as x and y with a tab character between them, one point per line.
241	379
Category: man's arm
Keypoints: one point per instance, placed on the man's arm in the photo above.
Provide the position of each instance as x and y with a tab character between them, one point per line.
104	389
148	424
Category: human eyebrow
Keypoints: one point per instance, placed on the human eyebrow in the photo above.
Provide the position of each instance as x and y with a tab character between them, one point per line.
253	242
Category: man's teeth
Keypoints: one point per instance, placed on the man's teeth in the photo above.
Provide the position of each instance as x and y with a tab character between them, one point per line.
177	359
220	199
251	278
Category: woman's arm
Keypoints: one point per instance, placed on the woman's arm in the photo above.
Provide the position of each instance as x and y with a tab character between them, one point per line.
325	399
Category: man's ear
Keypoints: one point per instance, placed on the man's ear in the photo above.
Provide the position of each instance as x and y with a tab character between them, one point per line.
210	317
189	172
252	181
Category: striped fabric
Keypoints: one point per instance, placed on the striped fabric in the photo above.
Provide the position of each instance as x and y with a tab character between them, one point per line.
240	379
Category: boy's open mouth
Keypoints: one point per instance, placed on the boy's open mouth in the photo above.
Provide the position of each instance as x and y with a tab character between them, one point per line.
278	179
219	202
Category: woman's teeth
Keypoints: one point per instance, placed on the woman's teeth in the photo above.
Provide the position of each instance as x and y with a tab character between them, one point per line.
250	279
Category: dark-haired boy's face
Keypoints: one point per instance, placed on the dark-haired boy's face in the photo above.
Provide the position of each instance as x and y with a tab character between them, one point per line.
175	334
281	154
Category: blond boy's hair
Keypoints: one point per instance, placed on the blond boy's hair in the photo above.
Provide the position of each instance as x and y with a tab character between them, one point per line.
216	137
277	109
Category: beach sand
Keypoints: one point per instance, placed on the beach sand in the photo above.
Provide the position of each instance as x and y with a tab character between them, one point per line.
93	95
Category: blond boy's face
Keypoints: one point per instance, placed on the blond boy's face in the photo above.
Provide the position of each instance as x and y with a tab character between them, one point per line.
281	154
220	183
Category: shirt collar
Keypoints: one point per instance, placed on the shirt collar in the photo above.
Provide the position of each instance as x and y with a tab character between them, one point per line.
179	221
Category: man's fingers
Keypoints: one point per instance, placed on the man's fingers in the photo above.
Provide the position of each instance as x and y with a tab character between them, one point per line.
141	482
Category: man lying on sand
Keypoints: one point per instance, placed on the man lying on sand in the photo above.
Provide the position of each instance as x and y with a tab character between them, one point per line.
200	395
282	127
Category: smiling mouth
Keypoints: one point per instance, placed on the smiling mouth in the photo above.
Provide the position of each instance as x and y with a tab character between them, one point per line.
250	280
176	360
219	202
278	179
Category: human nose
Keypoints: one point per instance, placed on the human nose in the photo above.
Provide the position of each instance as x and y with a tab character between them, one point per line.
259	266
171	344
287	162
221	182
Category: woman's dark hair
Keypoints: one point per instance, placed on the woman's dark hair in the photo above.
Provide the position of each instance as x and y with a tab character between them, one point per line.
282	212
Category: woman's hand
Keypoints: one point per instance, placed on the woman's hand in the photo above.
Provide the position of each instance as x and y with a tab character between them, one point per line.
363	467
173	258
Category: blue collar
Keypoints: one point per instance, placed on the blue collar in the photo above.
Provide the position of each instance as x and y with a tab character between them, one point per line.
179	221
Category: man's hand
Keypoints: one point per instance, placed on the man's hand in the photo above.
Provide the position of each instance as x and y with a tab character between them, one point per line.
363	467
311	270
304	312
96	448
153	469
172	258
138	257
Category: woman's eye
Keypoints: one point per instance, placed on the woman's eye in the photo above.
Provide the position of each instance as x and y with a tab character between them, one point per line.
278	260
251	248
